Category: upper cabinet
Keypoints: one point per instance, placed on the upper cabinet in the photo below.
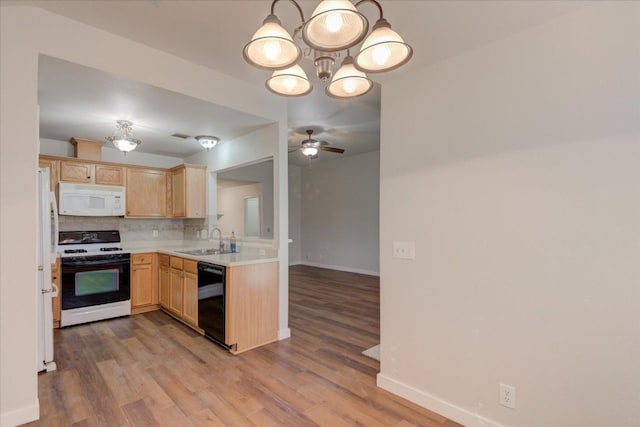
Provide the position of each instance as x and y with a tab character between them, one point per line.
188	196
54	167
146	193
72	171
91	173
110	174
179	192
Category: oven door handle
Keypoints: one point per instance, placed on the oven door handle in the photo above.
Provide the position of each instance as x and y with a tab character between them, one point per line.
88	263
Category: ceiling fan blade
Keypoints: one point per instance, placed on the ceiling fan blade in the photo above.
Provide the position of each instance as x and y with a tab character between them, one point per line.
295	149
331	149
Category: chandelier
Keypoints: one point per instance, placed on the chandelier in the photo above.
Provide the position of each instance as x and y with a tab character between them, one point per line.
207	141
335	25
122	138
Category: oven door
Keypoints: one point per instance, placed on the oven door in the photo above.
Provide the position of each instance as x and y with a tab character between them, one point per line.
95	280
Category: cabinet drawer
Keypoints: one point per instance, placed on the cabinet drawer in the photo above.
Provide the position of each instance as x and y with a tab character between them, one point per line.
141	259
176	263
163	260
191	266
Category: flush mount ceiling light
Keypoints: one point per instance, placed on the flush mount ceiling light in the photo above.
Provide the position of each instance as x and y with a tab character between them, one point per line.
335	25
122	138
207	141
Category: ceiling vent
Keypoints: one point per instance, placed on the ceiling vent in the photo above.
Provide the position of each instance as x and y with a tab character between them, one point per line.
180	135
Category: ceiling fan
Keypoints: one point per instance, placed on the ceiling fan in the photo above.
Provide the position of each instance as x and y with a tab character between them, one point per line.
310	147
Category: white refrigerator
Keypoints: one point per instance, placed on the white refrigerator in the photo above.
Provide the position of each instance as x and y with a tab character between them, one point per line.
47	252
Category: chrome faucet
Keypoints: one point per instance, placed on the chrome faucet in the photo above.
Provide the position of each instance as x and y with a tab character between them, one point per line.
221	246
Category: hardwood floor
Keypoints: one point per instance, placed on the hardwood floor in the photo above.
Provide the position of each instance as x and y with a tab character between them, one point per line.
149	370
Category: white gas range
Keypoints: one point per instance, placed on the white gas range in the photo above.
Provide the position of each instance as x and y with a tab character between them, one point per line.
95	276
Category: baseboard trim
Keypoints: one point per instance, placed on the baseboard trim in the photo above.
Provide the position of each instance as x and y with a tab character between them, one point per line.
292	263
341	268
21	416
283	334
435	404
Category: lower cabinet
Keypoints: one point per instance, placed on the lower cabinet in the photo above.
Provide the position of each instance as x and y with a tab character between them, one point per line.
251	306
180	283
55	301
144	285
251	299
190	293
163	280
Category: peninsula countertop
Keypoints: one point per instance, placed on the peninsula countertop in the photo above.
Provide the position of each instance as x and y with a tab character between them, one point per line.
246	256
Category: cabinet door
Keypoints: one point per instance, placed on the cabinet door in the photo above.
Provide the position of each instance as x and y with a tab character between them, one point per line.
55	301
109	175
141	285
163	282
190	307
196	192
175	291
178	193
146	193
76	172
54	166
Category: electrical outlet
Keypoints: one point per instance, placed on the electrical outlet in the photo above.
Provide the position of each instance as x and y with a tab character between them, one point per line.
404	250
507	396
155	233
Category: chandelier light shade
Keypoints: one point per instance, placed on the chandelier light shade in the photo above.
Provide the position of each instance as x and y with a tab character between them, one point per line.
290	82
122	138
383	50
348	81
207	141
271	47
335	25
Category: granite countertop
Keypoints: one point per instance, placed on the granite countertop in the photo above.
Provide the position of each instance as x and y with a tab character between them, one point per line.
246	256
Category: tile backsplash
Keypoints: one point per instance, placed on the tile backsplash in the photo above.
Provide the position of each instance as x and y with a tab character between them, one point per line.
135	229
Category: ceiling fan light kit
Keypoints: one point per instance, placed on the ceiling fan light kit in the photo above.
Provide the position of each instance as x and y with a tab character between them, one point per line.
122	138
310	147
334	26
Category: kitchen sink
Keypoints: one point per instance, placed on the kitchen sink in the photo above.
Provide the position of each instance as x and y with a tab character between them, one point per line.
204	251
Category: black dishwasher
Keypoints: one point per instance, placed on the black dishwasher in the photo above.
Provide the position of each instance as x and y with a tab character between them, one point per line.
211	304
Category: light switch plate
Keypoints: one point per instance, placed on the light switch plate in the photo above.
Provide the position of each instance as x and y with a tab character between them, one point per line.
404	250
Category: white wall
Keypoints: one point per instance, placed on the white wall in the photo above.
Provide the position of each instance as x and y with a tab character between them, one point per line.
261	172
295	206
25	33
54	147
231	205
339	213
521	190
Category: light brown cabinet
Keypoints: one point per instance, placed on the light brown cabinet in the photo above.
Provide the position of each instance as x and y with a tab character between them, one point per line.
179	288
144	285
54	167
163	280
251	306
188	196
146	193
55	301
73	171
109	174
91	173
176	284
190	293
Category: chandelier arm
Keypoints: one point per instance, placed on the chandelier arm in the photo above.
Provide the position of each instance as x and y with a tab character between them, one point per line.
295	3
369	1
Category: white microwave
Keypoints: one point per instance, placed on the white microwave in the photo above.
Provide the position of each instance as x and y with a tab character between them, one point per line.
91	199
